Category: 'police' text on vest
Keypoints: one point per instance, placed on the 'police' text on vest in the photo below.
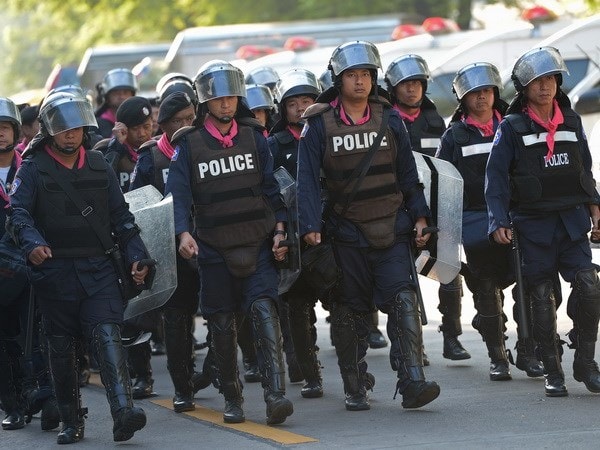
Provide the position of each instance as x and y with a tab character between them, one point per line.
357	141
226	165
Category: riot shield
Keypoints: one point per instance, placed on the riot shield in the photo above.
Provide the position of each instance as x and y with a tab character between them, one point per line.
289	270
440	260
154	216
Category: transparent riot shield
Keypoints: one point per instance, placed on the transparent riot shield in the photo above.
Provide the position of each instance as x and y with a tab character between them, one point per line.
154	216
289	270
440	260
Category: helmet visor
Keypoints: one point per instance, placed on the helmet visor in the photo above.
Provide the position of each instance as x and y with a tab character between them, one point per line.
537	63
355	55
475	77
407	67
68	115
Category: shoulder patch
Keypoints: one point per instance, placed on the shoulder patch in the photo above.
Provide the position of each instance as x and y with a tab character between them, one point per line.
316	109
304	130
497	136
15	185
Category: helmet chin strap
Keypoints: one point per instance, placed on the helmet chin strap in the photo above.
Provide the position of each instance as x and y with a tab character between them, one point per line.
64	150
224	119
415	105
7	149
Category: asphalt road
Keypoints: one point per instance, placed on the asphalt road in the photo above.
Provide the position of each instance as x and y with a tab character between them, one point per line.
471	412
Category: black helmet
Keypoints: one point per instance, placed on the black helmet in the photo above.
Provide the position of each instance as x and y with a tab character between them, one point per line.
217	79
536	63
10	113
63	111
296	82
474	77
405	68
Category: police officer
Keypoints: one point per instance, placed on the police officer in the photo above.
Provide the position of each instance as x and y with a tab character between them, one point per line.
261	103
375	203
116	87
295	91
132	129
539	184
466	144
11	374
152	168
75	281
406	79
223	168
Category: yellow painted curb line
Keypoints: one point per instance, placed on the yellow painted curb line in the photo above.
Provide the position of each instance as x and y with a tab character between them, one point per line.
255	429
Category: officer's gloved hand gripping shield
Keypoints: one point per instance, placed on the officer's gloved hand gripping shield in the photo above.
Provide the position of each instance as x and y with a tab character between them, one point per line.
155	217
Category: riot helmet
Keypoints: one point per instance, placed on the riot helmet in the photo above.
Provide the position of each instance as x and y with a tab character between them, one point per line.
259	96
474	77
537	63
10	113
70	88
354	55
63	111
325	80
266	76
171	76
177	85
119	79
296	82
405	68
217	79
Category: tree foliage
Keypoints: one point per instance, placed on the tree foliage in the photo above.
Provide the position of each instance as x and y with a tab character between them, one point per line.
36	35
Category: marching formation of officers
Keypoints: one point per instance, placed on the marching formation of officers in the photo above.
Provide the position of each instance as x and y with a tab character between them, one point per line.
223	143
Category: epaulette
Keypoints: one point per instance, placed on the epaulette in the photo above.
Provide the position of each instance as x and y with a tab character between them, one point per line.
316	109
180	133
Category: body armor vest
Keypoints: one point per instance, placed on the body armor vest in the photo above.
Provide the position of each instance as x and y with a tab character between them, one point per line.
471	151
378	198
161	168
230	211
287	145
540	185
425	132
61	223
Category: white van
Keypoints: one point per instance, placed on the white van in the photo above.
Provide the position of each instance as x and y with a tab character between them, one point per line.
194	46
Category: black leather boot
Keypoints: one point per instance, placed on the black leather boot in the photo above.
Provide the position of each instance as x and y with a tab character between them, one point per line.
138	357
543	309
585	368
111	358
265	323
246	342
64	370
527	359
376	337
9	390
301	329
178	342
450	307
404	328
349	354
223	330
293	368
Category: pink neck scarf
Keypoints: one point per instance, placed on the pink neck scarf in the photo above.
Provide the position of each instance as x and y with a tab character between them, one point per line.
165	146
408	117
346	119
487	129
131	152
549	126
109	115
227	140
294	133
80	162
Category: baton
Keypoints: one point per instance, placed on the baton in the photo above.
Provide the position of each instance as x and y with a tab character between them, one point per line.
521	307
415	275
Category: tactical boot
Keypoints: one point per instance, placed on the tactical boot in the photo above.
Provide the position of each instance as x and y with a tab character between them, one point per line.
585	368
223	331
208	375
111	358
63	367
526	359
499	369
406	334
265	323
246	342
376	338
178	341
9	388
139	360
251	371
50	418
450	307
301	329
